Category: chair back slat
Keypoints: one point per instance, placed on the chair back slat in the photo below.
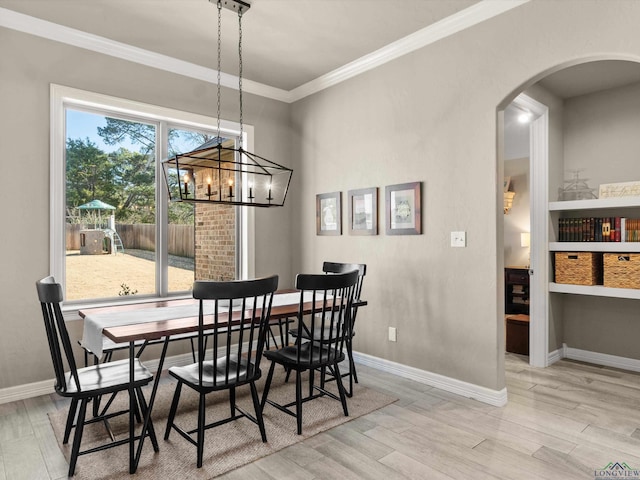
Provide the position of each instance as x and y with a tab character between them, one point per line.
335	267
60	348
241	341
252	331
54	346
324	329
238	346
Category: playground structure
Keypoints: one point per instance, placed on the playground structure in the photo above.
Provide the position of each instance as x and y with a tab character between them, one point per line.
101	239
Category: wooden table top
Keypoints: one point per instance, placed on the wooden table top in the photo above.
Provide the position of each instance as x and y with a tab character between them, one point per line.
158	329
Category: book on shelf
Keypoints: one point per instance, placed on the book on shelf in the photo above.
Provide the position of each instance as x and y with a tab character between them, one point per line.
632	229
606	229
599	229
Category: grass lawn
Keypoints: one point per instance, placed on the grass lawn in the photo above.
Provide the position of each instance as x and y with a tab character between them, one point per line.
103	276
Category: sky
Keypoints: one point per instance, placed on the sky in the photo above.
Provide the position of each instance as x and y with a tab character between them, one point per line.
81	125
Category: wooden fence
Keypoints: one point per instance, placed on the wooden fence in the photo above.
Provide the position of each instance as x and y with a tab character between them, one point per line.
142	237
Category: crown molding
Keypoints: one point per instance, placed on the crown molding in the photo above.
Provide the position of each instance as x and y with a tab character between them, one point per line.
446	27
457	22
70	36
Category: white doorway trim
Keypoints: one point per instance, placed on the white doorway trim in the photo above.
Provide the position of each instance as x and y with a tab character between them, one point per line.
539	250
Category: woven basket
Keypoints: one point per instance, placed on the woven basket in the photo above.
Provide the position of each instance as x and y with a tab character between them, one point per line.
622	270
579	268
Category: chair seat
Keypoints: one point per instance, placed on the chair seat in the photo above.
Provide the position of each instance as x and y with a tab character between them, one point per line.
214	378
310	357
318	334
105	378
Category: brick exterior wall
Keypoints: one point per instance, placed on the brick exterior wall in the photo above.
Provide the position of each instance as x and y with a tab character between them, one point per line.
215	239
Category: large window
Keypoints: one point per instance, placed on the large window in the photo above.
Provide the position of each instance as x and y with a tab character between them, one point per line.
114	233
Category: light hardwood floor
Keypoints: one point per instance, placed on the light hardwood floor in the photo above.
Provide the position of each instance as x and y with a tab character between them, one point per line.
562	422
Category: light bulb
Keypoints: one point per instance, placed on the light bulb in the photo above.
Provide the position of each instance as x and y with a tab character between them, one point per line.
525	117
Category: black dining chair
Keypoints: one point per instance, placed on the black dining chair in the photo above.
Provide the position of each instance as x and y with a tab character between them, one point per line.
236	353
89	383
324	325
333	268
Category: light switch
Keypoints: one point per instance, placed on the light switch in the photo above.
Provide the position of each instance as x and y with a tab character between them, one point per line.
393	334
458	239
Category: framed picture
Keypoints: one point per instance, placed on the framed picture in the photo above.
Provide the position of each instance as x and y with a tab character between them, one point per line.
329	213
363	211
403	209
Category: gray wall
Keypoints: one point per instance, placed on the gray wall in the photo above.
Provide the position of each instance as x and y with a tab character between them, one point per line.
429	116
29	64
517	220
601	136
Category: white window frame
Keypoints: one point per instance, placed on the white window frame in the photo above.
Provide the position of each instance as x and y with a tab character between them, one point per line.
62	97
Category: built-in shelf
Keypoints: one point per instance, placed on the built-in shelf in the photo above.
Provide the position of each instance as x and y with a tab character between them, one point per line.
622	247
616	203
597	203
595	290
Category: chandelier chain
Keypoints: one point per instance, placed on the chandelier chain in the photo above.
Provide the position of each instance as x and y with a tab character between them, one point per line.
219	61
228	175
240	70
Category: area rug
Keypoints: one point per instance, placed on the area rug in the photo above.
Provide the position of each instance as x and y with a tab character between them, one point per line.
226	447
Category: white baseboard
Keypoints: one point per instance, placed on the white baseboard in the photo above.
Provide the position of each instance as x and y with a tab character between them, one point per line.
555	356
469	390
497	398
29	390
465	389
601	359
45	387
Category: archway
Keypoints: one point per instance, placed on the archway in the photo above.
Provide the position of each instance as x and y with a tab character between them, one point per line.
593	75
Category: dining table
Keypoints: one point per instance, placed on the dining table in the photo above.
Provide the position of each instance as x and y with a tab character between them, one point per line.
162	320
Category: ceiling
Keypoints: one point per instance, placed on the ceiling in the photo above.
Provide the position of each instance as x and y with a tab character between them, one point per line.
591	77
286	43
570	82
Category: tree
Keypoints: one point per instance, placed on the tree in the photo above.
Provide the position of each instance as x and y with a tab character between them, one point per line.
138	133
90	174
135	171
135	177
188	140
142	134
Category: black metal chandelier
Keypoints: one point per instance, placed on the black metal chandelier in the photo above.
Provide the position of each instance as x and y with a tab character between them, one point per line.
221	171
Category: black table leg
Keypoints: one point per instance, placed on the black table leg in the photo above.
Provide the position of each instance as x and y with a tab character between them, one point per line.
152	398
132	463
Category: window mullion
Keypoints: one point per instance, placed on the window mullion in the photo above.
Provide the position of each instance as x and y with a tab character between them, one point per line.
162	222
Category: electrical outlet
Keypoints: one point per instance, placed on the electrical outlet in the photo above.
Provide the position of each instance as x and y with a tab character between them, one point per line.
393	335
458	239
